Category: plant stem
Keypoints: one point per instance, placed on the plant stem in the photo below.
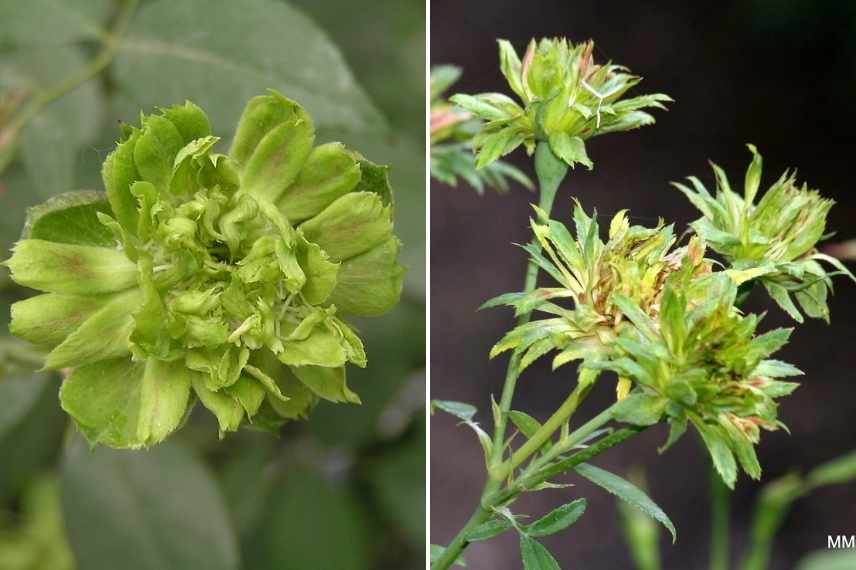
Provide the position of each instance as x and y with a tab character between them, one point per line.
493	497
550	171
546	431
109	45
719	512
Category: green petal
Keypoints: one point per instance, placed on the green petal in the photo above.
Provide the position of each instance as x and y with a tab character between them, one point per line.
300	400
71	217
321	273
224	406
327	383
123	404
248	392
273	140
47	319
370	283
102	336
330	171
71	269
351	225
156	149
322	347
191	121
119	173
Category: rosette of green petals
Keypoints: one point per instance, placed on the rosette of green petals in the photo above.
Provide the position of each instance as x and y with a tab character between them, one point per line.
200	276
634	263
772	241
565	99
700	362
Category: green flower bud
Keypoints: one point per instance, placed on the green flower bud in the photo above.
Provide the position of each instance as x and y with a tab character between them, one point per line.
773	241
208	276
608	282
700	362
567	99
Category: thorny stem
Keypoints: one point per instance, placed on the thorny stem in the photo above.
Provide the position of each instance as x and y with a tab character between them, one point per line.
109	45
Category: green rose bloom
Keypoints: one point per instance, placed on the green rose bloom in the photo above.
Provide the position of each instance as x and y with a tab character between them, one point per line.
566	100
222	278
772	242
700	362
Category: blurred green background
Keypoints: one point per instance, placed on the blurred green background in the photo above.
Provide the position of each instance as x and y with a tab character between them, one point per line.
343	491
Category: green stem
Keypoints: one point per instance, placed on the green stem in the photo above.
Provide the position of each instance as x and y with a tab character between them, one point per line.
719	512
460	542
545	432
550	171
109	45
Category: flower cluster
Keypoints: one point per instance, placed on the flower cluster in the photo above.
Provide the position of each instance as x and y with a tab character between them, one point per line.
634	263
221	277
772	242
661	319
700	362
566	99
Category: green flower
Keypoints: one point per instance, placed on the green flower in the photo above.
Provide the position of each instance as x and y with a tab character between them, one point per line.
452	131
607	282
772	242
222	278
566	100
700	362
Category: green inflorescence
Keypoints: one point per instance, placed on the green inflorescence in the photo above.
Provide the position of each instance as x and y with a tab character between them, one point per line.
217	277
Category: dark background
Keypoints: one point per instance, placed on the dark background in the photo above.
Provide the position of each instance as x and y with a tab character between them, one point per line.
780	74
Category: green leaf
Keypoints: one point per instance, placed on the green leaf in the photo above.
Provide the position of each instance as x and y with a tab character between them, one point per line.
720	453
460	410
57	24
524	422
558	519
835	472
19	394
571	150
397	480
535	556
219	69
627	492
305	507
125	404
641	409
640	533
117	502
489	529
753	176
71	217
50	142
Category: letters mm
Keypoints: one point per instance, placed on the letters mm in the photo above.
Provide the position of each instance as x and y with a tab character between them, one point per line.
841	541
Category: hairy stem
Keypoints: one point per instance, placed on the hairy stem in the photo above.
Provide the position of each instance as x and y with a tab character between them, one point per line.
550	171
109	45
